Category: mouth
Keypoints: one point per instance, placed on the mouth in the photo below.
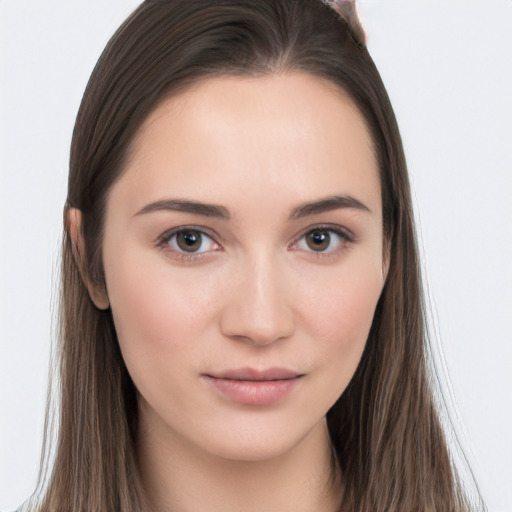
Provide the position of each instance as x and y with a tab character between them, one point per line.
250	386
256	375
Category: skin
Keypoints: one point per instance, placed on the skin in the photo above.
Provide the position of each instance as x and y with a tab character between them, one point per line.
255	294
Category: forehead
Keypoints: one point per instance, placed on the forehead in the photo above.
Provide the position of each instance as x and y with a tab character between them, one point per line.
292	133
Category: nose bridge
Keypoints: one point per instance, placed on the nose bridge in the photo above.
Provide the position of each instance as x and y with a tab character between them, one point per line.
259	309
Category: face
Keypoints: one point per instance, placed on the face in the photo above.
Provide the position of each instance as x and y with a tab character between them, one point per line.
243	257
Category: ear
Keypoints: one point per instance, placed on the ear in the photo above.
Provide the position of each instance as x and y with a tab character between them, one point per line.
97	291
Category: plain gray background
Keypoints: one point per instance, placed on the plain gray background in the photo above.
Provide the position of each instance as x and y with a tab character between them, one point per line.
447	66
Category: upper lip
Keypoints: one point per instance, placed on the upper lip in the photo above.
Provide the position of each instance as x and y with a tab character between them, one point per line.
256	374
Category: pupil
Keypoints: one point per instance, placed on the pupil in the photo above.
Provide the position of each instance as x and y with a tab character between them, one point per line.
318	240
189	241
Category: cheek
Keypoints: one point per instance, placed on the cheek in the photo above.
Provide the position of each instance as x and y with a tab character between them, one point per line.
157	314
341	318
143	309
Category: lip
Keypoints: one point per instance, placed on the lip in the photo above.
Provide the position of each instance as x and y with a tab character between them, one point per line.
251	386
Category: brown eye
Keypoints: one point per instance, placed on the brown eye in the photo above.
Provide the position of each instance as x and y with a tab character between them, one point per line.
318	240
189	241
324	240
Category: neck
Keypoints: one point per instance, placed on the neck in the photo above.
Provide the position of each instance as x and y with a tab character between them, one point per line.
180	478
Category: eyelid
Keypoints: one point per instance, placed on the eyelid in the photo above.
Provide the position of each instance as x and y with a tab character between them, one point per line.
162	241
347	236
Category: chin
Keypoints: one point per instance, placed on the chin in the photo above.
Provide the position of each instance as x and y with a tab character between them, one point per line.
258	443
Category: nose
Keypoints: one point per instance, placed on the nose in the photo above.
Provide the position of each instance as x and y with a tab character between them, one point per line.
258	310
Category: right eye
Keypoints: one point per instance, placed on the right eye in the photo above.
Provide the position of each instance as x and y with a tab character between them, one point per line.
188	241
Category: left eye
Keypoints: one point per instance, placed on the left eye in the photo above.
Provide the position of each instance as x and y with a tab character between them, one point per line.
190	241
323	240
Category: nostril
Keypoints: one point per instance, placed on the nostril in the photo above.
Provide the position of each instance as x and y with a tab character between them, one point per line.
263	327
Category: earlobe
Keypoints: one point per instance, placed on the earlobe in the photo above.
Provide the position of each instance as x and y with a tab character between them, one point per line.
97	291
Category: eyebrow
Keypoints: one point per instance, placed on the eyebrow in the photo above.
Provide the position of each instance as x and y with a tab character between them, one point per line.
220	212
178	205
326	205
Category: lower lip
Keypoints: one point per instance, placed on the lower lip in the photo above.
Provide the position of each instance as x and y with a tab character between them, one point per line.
250	392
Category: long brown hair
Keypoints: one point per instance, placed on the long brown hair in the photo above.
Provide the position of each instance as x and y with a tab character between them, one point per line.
385	429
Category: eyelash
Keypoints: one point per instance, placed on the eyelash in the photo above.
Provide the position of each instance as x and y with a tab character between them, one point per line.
163	243
346	238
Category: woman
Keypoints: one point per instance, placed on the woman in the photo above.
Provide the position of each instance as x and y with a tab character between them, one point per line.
242	316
